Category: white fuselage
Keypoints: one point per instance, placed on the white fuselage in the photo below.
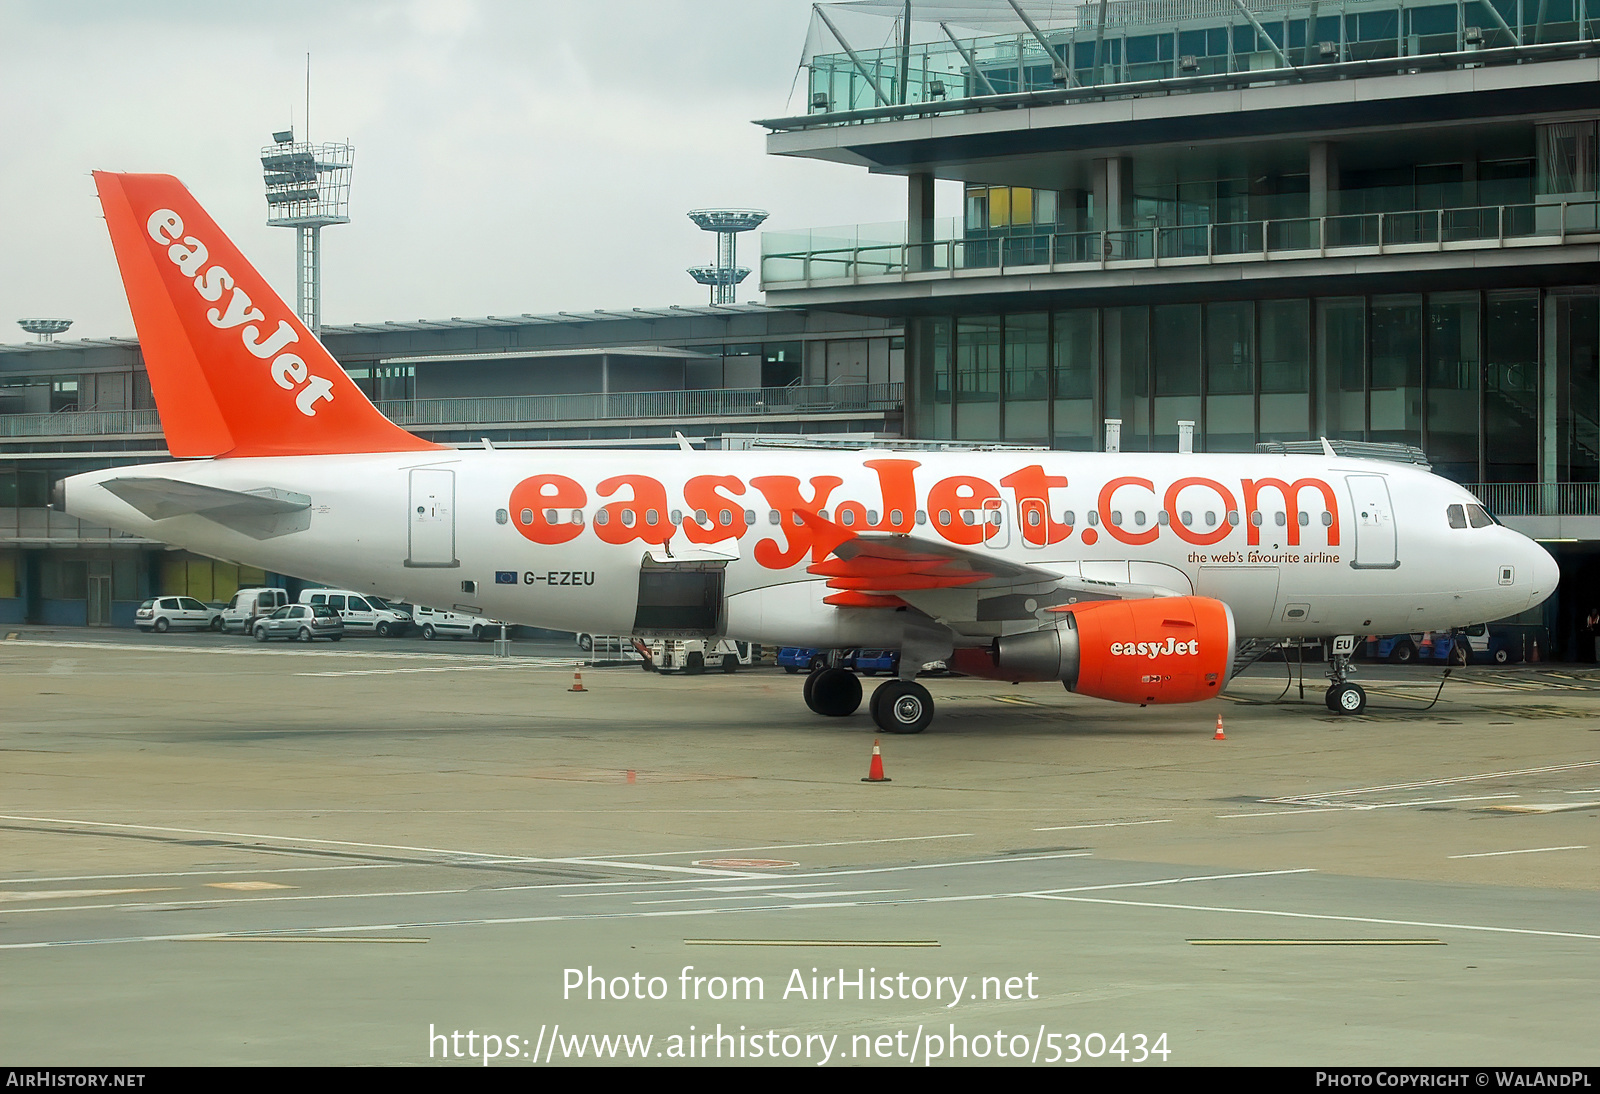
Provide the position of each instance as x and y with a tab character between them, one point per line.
1295	545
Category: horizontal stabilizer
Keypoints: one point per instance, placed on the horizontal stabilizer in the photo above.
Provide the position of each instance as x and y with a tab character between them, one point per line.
260	514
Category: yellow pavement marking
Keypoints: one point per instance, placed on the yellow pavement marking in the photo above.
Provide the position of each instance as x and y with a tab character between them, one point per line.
247	886
1559	807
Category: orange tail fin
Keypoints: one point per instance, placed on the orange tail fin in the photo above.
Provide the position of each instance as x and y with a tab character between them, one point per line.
233	370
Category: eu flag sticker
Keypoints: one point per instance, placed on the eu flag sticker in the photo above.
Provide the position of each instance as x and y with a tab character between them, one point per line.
505	577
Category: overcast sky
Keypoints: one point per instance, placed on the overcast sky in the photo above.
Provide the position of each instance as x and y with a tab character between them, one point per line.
511	155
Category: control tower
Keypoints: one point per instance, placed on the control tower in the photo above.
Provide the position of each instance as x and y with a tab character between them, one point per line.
724	277
308	188
46	329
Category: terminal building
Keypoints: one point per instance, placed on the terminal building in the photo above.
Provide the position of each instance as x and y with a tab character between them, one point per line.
1365	220
613	379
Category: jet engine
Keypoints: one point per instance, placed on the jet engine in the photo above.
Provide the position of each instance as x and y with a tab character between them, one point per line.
1171	649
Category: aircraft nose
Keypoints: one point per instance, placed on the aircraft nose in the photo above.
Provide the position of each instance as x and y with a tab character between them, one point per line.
1543	573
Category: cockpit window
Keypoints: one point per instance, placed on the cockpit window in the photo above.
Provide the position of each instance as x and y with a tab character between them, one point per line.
1479	517
1458	516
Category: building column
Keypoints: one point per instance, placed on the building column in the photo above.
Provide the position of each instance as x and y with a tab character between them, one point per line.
1113	193
1324	171
31	574
1072	210
919	221
917	371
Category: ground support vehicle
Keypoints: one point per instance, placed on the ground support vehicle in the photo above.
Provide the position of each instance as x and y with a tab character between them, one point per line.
693	656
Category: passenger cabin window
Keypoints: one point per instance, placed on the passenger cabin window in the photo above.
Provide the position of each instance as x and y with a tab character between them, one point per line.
359	605
1457	515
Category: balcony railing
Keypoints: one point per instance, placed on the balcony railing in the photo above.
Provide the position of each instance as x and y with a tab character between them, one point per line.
1539	499
1472	228
671	405
836	398
80	423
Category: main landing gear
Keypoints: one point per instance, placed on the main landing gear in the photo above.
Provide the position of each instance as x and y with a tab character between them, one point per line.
1343	697
897	706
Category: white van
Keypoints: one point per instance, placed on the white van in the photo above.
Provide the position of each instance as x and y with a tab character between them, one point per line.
248	605
436	623
362	614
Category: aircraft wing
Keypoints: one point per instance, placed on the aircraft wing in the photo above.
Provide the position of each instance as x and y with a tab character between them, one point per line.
260	514
970	589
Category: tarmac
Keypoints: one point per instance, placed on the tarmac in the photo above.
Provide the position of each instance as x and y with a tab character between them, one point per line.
398	852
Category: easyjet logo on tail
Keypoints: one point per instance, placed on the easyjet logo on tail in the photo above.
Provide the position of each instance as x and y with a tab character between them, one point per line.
288	370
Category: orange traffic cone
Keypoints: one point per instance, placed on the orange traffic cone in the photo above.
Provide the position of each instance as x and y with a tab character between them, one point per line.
1219	735
577	681
875	770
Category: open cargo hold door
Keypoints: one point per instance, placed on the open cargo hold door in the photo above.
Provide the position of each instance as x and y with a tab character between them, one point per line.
680	599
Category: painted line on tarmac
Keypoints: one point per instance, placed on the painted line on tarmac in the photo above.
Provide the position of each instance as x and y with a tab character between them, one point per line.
1319	798
208	873
1527	851
759	890
587	916
1107	824
476	856
852	943
259	649
817	879
1363	807
1316	941
73	894
793	846
759	896
293	938
1052	893
1332	918
519	663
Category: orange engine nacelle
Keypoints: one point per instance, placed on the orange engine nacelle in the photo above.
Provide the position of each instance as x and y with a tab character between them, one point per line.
1172	649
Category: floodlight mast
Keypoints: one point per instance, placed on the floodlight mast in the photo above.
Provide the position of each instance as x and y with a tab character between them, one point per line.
308	188
723	278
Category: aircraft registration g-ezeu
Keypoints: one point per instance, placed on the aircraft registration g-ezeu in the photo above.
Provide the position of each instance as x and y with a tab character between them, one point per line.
1130	577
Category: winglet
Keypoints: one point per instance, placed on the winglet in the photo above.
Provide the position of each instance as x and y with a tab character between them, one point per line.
233	370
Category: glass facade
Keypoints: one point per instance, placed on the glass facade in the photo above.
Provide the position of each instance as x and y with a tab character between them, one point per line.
1499	386
1161	41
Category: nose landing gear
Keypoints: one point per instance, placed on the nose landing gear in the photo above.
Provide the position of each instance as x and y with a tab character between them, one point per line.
1343	697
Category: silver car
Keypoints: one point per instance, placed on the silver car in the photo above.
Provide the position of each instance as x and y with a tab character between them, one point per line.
302	621
162	613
